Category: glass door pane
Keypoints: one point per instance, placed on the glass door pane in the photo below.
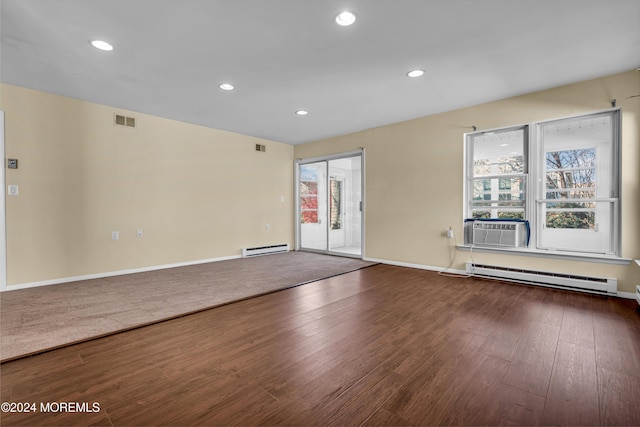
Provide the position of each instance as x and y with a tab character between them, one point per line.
345	207
313	206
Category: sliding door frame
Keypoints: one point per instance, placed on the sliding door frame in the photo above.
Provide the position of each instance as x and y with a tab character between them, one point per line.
3	210
360	152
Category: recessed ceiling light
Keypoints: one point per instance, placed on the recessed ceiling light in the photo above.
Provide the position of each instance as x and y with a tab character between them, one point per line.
226	86
346	18
302	112
102	45
415	73
504	145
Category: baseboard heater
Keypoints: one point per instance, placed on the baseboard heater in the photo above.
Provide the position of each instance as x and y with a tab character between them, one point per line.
264	250
599	285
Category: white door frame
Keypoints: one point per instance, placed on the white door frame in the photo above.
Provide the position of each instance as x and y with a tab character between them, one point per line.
3	211
360	152
339	234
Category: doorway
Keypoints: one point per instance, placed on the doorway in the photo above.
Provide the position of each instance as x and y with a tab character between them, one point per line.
330	204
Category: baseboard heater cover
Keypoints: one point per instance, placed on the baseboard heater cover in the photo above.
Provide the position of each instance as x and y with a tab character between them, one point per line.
264	250
599	285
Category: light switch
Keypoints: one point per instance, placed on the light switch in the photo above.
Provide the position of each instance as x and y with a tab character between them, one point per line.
13	190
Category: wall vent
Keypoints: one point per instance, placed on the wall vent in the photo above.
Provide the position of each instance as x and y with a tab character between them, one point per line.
264	250
260	147
121	120
599	285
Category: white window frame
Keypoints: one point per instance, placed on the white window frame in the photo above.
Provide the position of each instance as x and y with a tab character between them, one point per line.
469	169
535	192
612	199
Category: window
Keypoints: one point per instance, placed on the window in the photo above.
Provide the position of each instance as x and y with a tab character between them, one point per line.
564	181
497	174
577	202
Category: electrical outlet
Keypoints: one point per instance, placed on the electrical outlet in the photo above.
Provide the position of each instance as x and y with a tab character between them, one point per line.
139	232
450	233
115	235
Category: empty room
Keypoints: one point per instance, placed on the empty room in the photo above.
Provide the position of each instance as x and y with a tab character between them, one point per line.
313	213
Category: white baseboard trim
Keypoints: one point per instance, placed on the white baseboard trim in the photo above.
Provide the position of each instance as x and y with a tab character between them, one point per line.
114	273
628	295
619	294
418	266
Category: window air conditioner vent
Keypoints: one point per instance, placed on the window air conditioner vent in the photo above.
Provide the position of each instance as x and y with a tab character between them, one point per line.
511	234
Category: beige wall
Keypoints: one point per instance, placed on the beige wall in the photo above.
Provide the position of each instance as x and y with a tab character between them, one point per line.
414	176
200	193
196	193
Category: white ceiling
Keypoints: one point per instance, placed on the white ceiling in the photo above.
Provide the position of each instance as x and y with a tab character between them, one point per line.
286	55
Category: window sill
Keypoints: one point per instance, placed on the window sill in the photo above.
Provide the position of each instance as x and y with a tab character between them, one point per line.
572	256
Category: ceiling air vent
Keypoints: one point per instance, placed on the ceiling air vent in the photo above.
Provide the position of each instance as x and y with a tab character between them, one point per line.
121	120
260	147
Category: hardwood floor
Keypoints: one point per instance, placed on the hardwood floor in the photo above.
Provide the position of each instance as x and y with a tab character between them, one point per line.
381	346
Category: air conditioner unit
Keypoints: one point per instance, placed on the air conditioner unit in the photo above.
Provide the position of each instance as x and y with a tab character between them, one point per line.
512	234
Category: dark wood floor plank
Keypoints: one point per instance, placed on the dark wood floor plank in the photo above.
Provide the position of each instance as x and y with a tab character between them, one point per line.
617	343
384	418
465	406
497	404
503	341
577	328
356	403
619	397
573	390
530	368
381	346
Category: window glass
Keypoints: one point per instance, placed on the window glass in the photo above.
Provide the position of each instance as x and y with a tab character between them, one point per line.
497	185
308	195
335	188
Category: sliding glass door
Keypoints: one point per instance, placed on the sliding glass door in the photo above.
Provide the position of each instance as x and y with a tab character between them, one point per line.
313	206
330	205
